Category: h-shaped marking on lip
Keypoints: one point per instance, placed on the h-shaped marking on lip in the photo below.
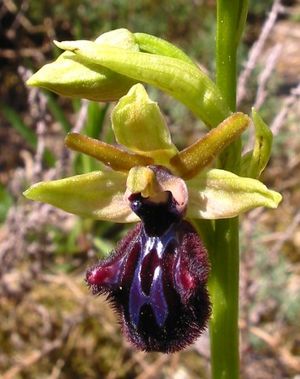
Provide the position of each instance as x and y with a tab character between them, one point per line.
156	298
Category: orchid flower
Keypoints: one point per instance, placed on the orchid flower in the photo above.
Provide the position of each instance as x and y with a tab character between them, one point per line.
156	277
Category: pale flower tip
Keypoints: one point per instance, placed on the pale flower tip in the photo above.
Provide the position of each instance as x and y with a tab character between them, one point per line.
69	138
27	193
32	82
41	191
241	120
56	43
65	45
30	193
277	198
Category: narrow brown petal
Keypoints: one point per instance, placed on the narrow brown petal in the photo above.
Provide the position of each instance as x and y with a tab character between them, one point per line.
112	156
190	161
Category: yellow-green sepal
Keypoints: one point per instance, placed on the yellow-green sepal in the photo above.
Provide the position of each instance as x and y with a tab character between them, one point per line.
119	37
154	45
139	125
70	75
217	194
98	195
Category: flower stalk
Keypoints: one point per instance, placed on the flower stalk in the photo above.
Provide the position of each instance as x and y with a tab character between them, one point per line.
224	257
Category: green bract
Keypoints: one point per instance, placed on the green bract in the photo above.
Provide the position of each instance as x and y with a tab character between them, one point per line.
254	162
140	128
104	70
182	80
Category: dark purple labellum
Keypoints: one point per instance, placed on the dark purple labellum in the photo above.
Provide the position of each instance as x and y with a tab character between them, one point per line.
156	279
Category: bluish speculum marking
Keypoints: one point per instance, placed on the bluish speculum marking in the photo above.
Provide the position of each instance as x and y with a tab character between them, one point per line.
147	285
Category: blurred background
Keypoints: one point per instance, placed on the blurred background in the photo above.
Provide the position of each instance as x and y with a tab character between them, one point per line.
50	325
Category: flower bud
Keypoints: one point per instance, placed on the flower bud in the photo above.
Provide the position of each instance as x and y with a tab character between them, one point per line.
154	45
178	78
70	75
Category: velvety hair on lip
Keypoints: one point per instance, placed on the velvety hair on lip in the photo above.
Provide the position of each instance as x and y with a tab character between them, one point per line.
156	279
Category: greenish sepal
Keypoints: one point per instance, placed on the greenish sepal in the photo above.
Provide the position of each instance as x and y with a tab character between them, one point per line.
154	45
217	194
254	163
70	75
119	37
190	161
111	156
182	80
98	195
139	125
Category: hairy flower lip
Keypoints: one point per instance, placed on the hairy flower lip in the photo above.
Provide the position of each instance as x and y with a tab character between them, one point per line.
157	285
156	278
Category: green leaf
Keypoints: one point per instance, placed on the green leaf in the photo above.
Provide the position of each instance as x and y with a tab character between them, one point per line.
6	202
103	245
29	136
13	117
97	195
58	112
182	80
217	194
93	126
95	119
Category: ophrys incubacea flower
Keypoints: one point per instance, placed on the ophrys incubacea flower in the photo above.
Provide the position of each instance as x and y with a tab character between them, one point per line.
156	277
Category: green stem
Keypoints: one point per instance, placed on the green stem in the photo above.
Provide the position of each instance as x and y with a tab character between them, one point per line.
224	296
224	252
231	18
